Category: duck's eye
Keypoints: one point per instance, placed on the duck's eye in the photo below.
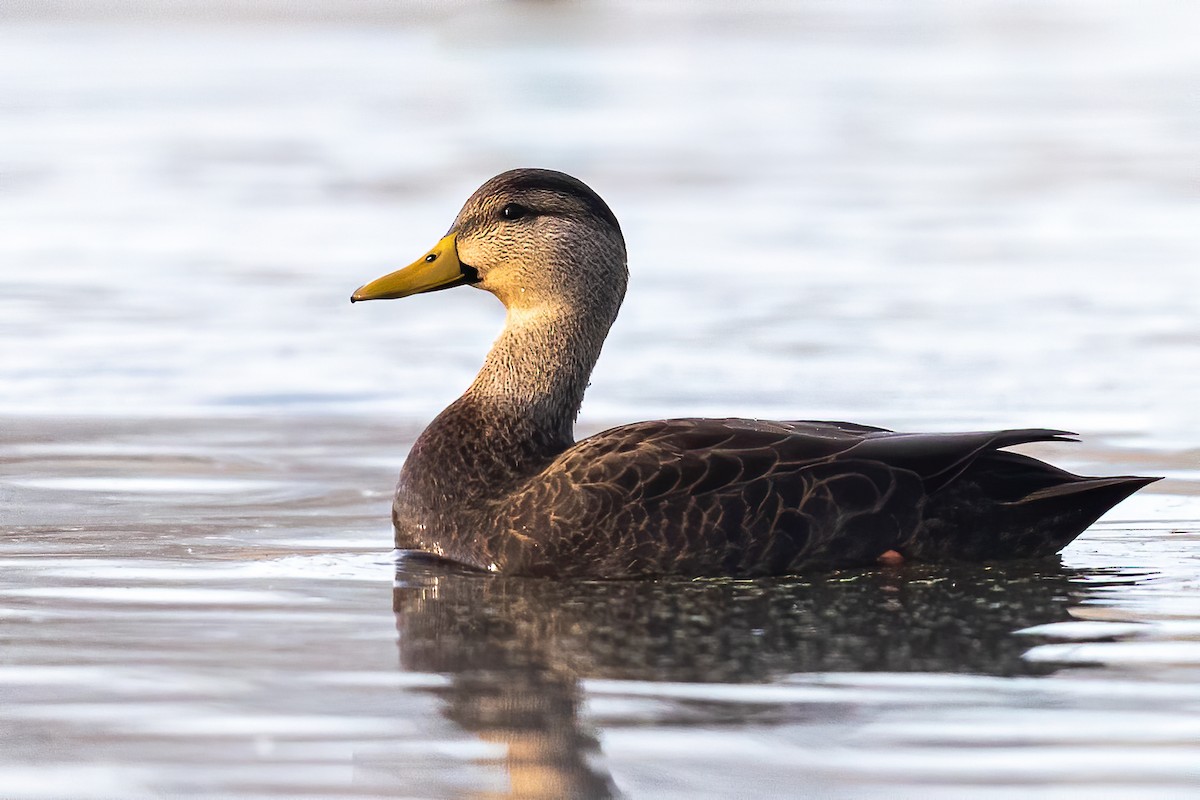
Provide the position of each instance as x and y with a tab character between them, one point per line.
513	211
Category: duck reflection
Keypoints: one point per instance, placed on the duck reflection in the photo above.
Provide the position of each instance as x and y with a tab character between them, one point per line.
516	649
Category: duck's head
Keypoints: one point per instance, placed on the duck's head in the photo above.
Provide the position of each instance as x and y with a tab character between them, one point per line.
535	238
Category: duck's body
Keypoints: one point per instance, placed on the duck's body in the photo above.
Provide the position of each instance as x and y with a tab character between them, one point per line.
498	482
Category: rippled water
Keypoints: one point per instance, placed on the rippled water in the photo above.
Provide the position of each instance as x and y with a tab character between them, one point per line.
918	215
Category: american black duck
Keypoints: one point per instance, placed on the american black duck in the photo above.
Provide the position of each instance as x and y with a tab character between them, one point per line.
497	481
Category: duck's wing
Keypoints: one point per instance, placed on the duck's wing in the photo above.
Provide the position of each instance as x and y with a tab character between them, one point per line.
747	497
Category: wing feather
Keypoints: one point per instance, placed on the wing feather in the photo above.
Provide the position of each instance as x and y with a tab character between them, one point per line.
739	496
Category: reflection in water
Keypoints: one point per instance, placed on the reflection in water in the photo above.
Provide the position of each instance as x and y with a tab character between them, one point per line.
516	649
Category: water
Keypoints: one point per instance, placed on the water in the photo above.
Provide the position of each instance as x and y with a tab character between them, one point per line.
927	216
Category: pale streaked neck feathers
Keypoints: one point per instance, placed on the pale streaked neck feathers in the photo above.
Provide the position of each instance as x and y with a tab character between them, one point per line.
538	368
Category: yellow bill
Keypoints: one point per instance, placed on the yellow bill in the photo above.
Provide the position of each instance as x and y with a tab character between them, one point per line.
437	269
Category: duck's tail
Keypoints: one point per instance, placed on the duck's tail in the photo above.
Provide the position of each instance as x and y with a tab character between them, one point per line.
1007	505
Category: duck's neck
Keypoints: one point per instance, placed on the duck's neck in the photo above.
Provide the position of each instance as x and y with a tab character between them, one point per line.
538	369
519	412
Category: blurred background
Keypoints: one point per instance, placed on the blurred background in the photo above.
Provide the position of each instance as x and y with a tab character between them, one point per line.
931	214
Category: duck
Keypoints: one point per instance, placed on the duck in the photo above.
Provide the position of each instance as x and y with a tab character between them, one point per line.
498	483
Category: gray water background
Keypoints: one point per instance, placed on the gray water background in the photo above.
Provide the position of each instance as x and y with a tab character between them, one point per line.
927	215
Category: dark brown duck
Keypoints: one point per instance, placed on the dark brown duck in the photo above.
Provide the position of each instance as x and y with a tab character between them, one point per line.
497	480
